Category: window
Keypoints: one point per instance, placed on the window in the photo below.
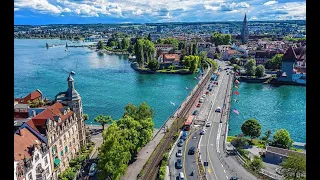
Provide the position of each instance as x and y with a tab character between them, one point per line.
66	149
30	176
64	137
47	171
45	160
61	153
36	158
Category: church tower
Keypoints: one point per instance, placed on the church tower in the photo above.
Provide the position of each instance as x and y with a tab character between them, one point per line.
73	99
244	31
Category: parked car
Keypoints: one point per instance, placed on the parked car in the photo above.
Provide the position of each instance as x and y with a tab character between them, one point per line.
192	150
208	124
184	135
180	143
204	95
195	112
210	89
201	100
234	178
207	92
93	169
181	176
179	164
218	109
198	105
179	153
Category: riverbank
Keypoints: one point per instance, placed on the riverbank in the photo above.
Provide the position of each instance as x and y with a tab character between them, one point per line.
134	66
267	80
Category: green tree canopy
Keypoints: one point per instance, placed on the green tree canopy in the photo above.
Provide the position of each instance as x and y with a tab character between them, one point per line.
100	45
153	65
250	67
275	62
251	128
194	49
160	41
103	120
138	49
294	166
85	117
191	62
125	43
172	41
220	39
149	37
256	164
260	71
282	139
236	67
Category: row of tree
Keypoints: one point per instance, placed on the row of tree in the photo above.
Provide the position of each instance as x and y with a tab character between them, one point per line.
123	139
144	50
220	39
191	62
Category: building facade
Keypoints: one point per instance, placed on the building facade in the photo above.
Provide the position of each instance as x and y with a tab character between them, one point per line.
31	157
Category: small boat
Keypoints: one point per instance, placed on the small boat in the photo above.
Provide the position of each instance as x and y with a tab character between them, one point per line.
236	111
187	88
72	72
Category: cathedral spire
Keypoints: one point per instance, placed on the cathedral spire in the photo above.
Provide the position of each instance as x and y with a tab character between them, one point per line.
244	30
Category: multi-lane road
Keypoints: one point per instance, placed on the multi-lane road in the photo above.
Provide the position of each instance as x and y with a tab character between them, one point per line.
220	166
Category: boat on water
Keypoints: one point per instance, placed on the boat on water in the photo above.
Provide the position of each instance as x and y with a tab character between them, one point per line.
72	72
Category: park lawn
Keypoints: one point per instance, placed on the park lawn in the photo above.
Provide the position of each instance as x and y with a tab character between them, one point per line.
255	142
229	138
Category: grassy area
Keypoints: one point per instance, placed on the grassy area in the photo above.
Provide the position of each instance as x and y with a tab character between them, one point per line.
296	149
255	142
229	138
173	71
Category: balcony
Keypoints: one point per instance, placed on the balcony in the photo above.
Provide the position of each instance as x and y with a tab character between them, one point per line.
41	176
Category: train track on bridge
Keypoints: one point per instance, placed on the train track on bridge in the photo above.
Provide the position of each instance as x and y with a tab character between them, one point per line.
151	169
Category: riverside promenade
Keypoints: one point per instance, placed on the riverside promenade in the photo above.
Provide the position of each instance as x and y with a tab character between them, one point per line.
142	157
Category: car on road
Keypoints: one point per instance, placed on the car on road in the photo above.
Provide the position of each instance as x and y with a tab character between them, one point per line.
179	153
202	132
192	150
198	105
210	89
184	135
201	100
180	143
195	112
207	92
208	124
204	95
227	73
234	178
181	176
93	169
218	109
179	164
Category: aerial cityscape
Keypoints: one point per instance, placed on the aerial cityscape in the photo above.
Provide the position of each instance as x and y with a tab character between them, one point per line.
159	90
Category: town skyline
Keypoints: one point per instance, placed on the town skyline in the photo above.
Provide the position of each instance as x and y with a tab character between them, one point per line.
131	11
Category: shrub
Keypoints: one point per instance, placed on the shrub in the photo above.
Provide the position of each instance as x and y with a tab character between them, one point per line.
240	142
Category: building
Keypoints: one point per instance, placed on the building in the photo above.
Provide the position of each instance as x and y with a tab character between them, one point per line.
290	69
35	95
73	99
244	31
275	155
31	157
262	57
223	48
174	59
227	55
205	46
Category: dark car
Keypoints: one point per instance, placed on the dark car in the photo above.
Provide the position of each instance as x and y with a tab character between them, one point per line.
192	150
234	178
180	143
195	112
210	89
179	164
198	105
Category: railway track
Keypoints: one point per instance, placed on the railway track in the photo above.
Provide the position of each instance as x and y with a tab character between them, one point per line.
151	170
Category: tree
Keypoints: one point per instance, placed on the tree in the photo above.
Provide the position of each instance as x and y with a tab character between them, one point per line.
138	49
158	53
125	43
282	139
181	45
251	128
250	67
149	37
189	52
260	71
172	41
266	136
294	166
215	56
100	45
240	142
236	68
160	41
275	62
194	49
85	117
103	120
256	164
220	39
153	65
233	60
148	50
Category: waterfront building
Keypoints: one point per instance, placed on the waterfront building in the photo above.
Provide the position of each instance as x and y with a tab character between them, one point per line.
35	95
174	59
275	155
291	69
31	157
72	99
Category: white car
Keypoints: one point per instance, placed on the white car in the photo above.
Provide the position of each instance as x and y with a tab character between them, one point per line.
179	153
218	109
208	124
204	95
201	100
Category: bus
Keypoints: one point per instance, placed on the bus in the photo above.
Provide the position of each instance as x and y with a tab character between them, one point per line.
188	123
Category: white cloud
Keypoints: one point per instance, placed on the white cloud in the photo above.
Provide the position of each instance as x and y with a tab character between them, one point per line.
40	5
212	8
253	18
269	3
16	9
137	12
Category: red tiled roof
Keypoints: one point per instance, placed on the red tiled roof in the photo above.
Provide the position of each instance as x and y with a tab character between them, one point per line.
49	113
33	95
21	143
231	51
31	124
169	57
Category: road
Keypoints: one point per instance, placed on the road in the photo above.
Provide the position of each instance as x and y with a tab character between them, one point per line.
211	148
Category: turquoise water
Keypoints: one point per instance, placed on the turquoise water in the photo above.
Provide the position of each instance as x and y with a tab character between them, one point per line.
274	107
106	83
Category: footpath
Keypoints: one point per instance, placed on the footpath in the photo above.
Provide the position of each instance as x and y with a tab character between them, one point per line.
142	157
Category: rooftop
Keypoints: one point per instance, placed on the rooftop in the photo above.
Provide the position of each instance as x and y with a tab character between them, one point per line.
23	140
281	151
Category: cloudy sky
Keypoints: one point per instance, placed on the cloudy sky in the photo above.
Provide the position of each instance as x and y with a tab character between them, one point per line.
150	11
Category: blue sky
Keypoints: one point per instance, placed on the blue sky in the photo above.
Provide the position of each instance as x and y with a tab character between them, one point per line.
36	12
